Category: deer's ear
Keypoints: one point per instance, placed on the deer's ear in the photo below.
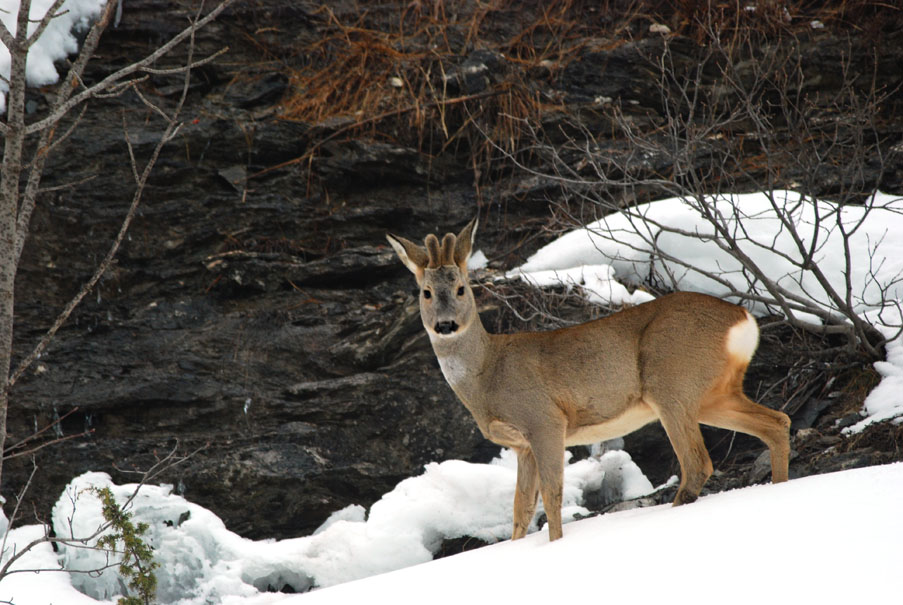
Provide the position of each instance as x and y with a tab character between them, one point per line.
464	244
413	256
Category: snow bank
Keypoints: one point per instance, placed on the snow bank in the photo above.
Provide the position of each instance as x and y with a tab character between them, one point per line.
885	401
828	539
765	543
198	556
625	242
597	282
30	588
201	561
56	43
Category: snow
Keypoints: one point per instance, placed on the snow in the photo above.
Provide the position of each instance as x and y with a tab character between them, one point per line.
822	539
885	401
597	282
829	539
477	260
56	43
620	248
203	562
29	588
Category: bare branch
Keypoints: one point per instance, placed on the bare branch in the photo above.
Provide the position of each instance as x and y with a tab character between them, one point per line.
45	142
19	498
41	446
174	71
139	66
169	132
8	452
695	153
167	462
44	22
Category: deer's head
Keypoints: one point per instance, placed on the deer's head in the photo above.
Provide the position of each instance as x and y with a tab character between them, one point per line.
447	307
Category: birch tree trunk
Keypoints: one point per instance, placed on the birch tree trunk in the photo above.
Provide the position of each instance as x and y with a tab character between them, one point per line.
14	138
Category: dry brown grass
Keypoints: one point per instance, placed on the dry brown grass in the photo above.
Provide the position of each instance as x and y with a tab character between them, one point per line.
383	69
388	73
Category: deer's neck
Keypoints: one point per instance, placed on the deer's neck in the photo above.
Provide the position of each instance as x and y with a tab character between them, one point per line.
463	357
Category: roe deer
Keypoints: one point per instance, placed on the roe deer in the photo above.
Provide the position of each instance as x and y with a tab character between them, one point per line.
679	359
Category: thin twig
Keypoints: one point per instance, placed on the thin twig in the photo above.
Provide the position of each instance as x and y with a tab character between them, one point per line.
169	132
138	66
7	452
164	464
19	498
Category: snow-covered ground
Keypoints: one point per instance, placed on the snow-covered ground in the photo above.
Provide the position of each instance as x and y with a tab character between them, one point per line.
203	562
825	539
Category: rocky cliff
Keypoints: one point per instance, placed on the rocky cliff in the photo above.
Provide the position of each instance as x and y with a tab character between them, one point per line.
254	310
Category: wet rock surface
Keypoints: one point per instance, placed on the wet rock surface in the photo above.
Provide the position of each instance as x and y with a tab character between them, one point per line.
255	314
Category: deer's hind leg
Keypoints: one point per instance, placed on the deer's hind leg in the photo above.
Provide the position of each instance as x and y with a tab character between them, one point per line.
683	432
737	412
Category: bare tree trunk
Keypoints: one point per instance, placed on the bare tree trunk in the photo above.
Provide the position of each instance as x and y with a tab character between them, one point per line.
9	201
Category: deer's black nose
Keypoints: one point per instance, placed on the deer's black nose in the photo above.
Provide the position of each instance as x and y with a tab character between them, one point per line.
446	327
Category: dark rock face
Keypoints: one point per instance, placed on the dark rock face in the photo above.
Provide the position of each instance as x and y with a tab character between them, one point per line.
255	312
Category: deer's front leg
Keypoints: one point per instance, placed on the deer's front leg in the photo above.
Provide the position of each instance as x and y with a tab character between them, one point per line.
548	450
526	493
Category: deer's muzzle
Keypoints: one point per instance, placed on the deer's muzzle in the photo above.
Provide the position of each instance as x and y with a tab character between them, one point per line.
446	327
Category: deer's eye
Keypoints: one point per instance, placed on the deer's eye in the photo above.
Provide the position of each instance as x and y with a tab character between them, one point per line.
460	290
427	294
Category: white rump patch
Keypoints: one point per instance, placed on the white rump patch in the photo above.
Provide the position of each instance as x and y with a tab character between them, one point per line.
743	338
